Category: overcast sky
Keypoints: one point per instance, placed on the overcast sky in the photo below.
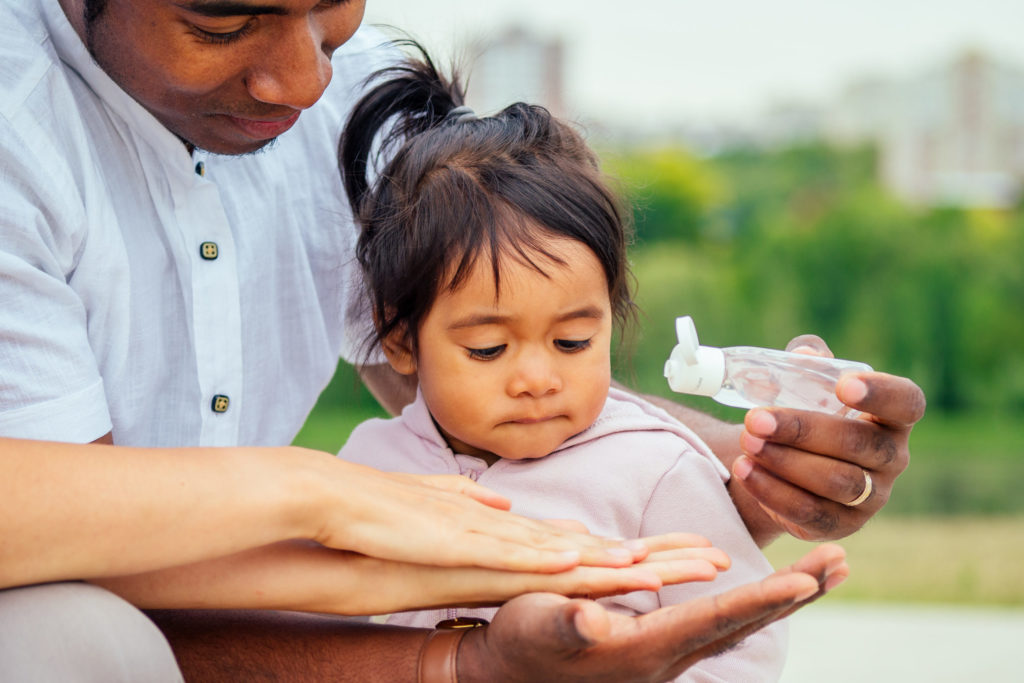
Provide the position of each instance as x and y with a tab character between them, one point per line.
689	61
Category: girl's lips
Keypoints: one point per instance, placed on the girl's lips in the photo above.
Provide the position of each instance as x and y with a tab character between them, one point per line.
531	420
264	129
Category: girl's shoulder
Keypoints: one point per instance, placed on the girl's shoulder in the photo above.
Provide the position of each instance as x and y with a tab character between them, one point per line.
409	442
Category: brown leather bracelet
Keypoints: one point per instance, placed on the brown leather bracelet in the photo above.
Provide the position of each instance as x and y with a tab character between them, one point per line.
438	654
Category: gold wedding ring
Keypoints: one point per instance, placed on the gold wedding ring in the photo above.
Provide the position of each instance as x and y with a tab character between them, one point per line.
865	494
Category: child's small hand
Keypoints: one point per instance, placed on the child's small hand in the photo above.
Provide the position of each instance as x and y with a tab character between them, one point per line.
400	586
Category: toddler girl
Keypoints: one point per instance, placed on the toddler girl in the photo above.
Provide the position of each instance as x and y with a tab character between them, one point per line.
495	259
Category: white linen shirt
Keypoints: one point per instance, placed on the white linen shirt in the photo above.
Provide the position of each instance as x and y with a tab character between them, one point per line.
111	318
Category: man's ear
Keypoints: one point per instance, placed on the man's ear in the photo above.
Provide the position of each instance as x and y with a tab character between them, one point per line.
398	350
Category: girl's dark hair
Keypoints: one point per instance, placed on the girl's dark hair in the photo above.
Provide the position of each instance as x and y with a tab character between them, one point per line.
458	186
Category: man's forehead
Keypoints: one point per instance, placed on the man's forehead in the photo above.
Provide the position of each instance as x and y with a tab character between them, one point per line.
232	8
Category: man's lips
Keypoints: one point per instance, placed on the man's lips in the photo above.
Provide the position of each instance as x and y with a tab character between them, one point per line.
264	129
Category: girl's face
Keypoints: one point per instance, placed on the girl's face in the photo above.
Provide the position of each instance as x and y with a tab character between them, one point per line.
516	372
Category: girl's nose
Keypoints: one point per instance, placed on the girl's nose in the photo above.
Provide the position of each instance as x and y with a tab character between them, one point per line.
534	374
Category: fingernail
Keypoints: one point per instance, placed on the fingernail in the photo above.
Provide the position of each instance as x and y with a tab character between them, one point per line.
750	444
582	626
762	422
834	581
634	545
742	467
854	390
621	553
809	592
648	581
834	565
803	348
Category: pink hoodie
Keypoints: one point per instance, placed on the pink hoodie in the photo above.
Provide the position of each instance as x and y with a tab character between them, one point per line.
635	472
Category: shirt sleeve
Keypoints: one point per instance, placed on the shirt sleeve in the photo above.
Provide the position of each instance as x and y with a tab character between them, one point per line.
50	385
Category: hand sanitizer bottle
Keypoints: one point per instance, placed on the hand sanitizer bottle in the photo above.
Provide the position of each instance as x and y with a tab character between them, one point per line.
748	376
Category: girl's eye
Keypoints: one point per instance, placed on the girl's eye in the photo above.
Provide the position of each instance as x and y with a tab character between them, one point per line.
490	353
223	37
572	345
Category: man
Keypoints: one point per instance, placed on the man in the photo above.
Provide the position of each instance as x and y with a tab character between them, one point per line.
164	285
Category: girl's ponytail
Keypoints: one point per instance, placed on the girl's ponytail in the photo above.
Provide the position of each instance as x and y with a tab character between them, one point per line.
414	98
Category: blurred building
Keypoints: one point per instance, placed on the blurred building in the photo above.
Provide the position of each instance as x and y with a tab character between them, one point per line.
952	135
518	66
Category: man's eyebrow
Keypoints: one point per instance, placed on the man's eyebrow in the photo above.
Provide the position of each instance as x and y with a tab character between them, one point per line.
230	8
475	320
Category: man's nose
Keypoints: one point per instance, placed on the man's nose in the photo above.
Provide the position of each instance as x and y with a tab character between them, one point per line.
296	72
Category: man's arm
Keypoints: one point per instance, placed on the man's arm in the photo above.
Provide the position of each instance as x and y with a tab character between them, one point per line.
392	390
72	511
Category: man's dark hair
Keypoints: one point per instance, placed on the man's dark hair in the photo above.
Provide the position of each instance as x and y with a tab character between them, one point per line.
459	186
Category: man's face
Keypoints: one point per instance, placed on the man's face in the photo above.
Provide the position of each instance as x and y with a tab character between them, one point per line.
227	76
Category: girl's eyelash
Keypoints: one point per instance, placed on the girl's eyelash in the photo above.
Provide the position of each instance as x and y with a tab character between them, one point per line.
572	345
490	353
224	38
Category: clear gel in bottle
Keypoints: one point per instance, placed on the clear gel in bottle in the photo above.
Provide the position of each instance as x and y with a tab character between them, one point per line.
748	376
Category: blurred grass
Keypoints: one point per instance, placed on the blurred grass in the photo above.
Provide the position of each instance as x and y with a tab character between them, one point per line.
327	427
960	560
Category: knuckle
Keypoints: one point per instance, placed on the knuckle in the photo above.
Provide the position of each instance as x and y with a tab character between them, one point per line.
885	449
770	456
724	622
857	440
799	429
814	515
847	483
536	538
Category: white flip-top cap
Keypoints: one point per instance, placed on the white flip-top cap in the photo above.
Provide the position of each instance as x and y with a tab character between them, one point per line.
692	368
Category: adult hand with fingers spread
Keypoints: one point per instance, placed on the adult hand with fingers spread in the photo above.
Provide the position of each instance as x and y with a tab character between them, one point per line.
550	637
819	476
280	494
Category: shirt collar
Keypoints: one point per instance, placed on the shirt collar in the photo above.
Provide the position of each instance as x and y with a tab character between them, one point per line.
145	126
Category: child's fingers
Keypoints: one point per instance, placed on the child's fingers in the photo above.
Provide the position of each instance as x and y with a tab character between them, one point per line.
714	556
675	540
